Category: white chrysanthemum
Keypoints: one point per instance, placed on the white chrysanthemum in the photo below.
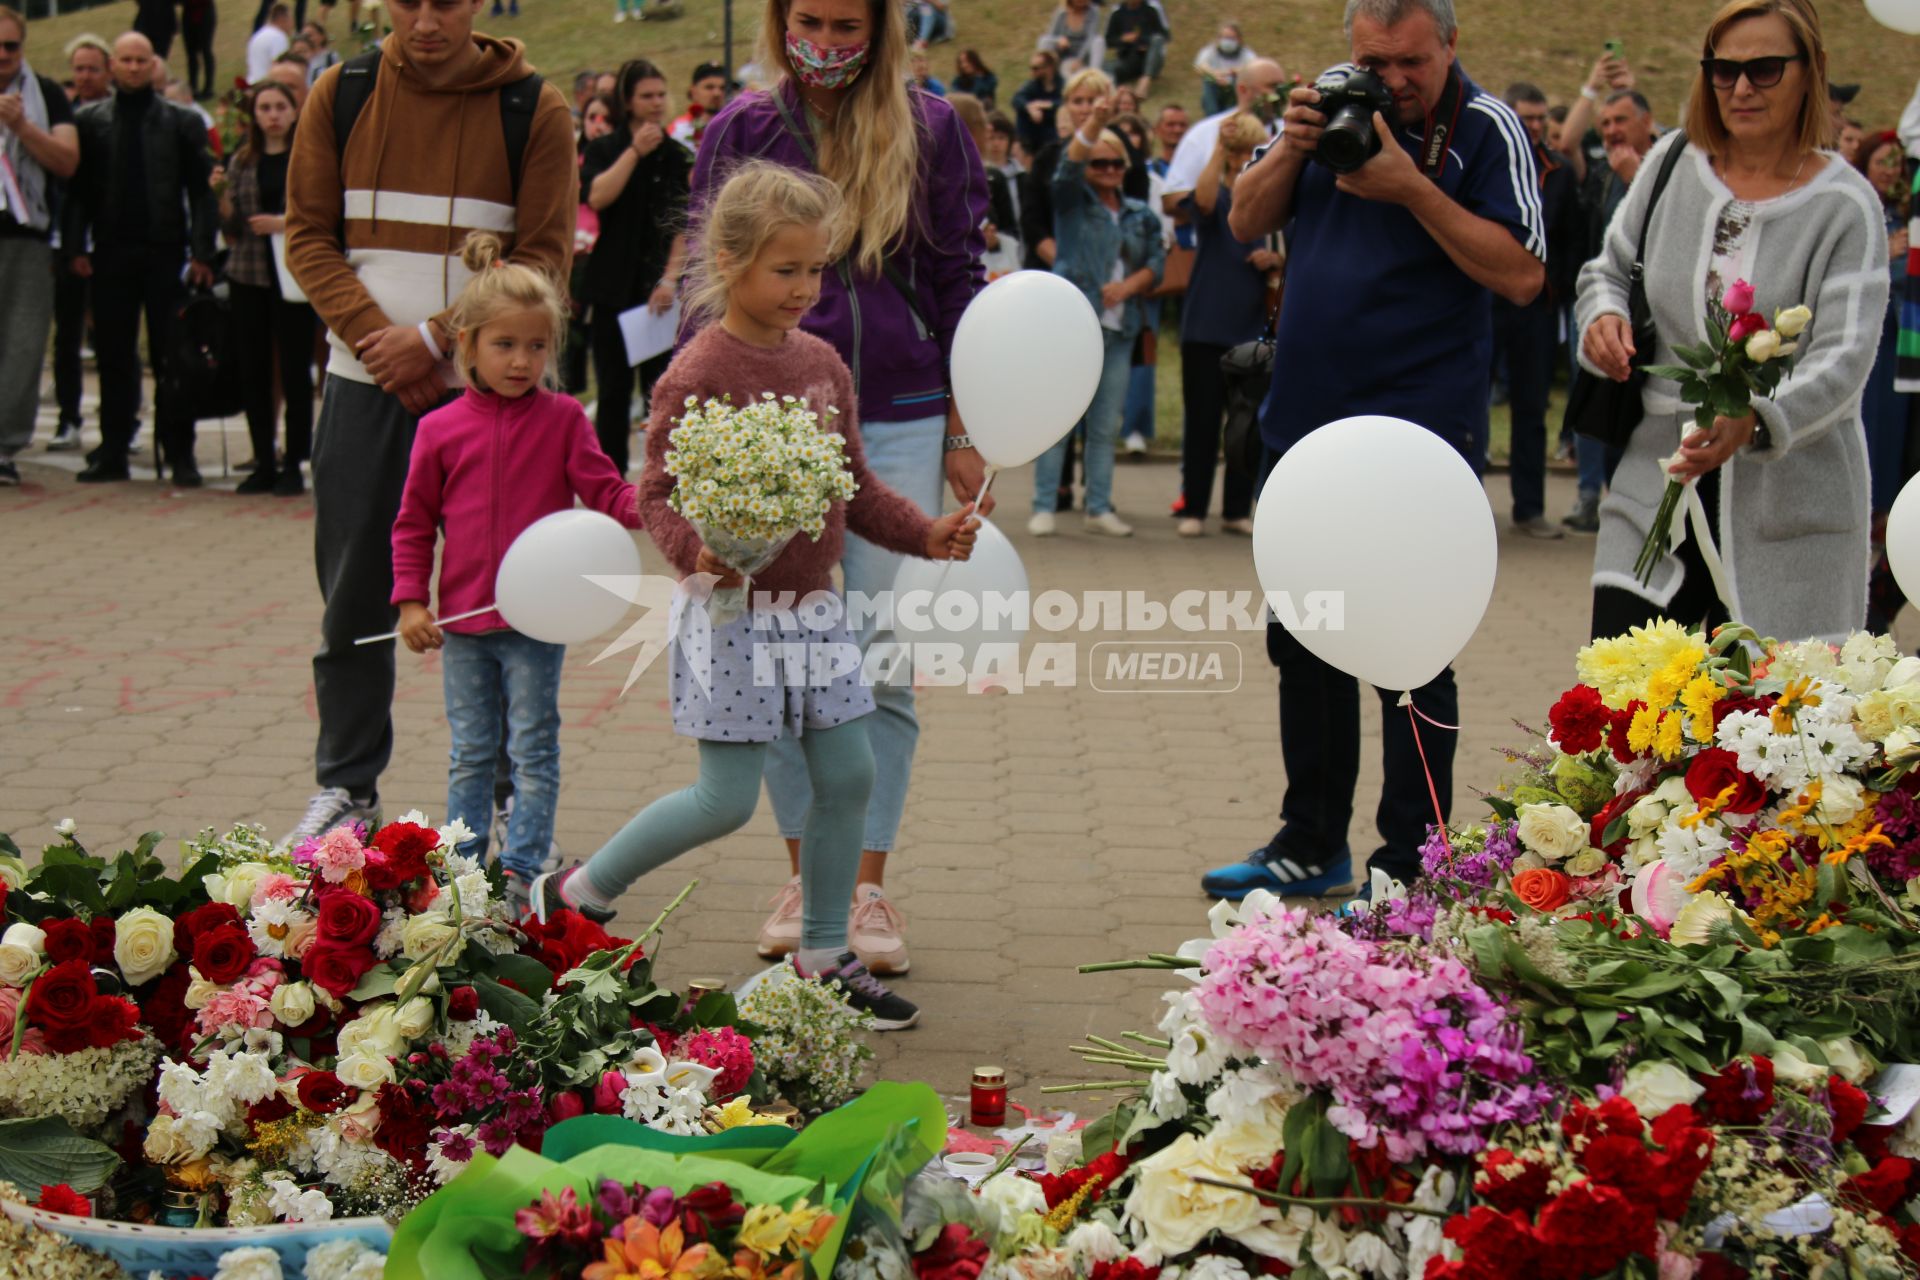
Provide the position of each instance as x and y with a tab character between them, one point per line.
252	1263
444	1169
1688	851
268	922
289	1203
393	922
1213	1266
344	1260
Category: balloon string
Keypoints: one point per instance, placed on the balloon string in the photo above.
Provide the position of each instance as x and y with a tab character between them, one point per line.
438	622
1451	728
1414	717
985	485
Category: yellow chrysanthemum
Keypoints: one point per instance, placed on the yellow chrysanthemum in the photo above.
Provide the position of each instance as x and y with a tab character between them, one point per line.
1620	667
1697	700
1640	732
1669	740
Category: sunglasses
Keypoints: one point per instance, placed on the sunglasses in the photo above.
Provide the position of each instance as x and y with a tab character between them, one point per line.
1761	73
1107	165
9	46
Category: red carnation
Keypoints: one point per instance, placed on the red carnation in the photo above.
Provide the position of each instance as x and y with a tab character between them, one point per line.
463	1004
1493	1245
68	939
61	1004
1578	719
346	919
110	1020
404	846
1714	1266
1127	1268
322	1091
337	969
1615	1115
1618	724
1624	1163
1741	1093
956	1254
1685	1150
62	1198
1589	1229
1511	1182
406	1117
1849	1107
222	954
1716	769
165	1007
198	921
1881	1187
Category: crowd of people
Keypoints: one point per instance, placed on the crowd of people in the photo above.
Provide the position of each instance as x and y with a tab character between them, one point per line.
434	220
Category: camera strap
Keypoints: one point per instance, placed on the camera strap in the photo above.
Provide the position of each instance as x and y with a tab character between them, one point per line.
1441	122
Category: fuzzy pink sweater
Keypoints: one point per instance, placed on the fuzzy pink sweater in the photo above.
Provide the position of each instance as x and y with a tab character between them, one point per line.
715	363
483	469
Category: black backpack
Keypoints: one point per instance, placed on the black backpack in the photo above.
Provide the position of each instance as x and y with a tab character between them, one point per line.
517	102
200	364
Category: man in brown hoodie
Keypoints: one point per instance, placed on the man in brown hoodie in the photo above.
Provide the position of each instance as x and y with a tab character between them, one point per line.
374	229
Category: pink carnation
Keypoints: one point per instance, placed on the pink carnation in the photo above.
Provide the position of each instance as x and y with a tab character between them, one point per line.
275	886
726	1051
235	1007
335	855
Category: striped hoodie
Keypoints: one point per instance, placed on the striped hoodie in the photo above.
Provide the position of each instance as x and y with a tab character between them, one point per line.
374	236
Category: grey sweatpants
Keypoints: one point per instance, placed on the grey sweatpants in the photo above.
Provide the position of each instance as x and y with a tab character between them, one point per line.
26	314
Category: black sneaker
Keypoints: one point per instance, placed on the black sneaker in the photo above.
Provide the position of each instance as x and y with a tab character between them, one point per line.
891	1012
9	475
290	484
544	897
261	481
104	472
186	475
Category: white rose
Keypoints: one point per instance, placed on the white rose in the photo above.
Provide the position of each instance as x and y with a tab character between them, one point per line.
235	885
1848	1060
1791	1066
22	950
1655	1087
415	1018
364	1071
1902	744
64	828
1553	830
1763	346
142	945
13	873
251	1263
422	933
1841	797
1673	792
373	1033
1014	1196
292	1003
1092	1242
1647	815
1790	322
1174	1210
1905	671
200	992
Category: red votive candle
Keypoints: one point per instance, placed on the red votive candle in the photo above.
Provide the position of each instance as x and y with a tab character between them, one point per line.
989	1097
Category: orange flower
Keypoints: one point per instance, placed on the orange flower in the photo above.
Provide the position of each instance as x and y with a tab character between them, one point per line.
1542	888
648	1253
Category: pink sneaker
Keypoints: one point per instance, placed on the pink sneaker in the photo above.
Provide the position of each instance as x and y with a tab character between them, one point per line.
780	935
874	931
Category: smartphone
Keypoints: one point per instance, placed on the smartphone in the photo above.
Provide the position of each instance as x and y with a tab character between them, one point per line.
1615	49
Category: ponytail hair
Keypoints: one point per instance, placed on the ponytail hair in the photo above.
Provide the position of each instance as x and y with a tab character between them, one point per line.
758	200
499	287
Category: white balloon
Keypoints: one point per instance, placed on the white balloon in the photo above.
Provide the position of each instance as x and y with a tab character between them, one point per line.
1378	535
1903	539
1902	15
1026	361
952	600
543	589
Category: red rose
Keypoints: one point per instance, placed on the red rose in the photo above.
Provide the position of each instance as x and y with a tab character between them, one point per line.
60	1004
110	1020
1597	834
1589	1229
1493	1245
463	1004
565	1105
1716	769
198	921
1509	1182
62	1198
165	1007
222	954
1881	1187
564	939
68	939
1618	723
101	927
1744	327
337	969
322	1092
346	919
1741	1093
1849	1107
956	1254
1127	1268
405	846
1578	719
269	1109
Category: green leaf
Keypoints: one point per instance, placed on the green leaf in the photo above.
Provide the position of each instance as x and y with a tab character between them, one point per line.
1505	809
1658	984
1672	372
1599	1023
45	1151
1615	829
1101	1135
72	884
1754	1038
1328	1168
506	1004
523	972
378	981
1733	996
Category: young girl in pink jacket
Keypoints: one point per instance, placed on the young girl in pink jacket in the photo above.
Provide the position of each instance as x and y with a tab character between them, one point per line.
483	468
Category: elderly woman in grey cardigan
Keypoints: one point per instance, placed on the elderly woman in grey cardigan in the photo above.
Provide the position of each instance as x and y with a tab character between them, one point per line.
1784	487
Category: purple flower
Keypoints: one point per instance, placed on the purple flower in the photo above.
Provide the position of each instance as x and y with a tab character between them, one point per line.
616	1202
496	1135
660	1206
454	1146
523	1107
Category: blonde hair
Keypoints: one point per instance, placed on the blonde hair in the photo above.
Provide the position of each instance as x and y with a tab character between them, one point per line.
497	288
1093	81
870	147
1242	131
1703	123
972	113
758	200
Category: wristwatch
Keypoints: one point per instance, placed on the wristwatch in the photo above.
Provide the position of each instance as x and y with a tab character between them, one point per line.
953	444
1762	438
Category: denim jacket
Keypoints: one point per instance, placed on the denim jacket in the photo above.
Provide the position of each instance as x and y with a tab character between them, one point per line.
1087	240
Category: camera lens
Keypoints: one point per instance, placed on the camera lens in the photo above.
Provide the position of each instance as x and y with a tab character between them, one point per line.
1348	140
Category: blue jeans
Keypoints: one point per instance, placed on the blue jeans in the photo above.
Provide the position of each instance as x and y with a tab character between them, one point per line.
1526	335
907	457
927	24
1137	418
1593	465
504	681
1102	423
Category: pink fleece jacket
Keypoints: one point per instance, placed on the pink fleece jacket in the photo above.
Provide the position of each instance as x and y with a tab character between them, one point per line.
715	363
483	469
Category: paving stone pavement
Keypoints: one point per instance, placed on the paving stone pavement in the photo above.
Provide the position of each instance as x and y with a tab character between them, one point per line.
157	676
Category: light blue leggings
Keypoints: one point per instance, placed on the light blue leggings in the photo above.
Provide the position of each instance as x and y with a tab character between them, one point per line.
840	769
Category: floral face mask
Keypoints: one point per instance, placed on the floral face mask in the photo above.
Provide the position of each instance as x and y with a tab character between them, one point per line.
820	67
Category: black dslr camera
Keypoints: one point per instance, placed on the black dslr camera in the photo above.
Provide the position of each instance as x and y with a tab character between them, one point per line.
1349	96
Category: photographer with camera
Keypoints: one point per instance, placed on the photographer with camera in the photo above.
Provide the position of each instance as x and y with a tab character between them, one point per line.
1413	199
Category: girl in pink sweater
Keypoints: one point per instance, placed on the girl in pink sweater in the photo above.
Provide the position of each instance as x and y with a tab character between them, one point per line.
483	468
765	242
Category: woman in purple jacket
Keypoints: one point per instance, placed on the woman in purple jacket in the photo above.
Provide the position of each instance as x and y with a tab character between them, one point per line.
907	263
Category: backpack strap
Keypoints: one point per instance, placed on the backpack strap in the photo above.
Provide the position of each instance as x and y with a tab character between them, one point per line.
518	102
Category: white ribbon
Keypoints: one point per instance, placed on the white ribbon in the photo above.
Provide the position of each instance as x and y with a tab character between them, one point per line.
1694	512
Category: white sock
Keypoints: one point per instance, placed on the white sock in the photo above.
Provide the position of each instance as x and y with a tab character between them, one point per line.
811	960
577	891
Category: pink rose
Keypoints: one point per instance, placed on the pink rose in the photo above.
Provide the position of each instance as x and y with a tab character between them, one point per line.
1738	299
265	974
361	1121
1744	327
299	939
9	1012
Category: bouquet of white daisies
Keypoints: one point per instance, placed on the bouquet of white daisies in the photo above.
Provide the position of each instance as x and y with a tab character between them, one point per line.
750	477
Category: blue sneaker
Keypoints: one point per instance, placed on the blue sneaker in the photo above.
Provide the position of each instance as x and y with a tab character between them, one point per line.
1271	869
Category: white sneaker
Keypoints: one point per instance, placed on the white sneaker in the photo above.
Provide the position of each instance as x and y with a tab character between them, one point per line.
874	929
330	807
1110	525
1135	445
1190	528
619	16
780	935
1242	526
1041	525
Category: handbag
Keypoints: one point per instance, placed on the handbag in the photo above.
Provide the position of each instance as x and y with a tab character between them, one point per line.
1600	408
1248	369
